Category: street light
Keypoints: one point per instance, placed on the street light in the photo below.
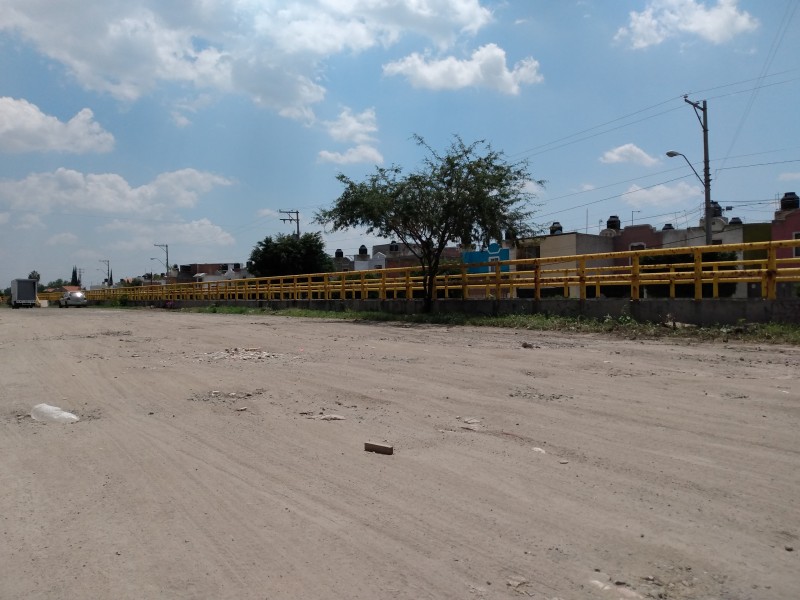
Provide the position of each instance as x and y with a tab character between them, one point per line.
706	181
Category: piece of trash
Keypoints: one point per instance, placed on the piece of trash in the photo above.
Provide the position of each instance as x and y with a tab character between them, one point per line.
379	448
527	345
563	462
52	414
516	582
540	450
330	418
242	408
472	421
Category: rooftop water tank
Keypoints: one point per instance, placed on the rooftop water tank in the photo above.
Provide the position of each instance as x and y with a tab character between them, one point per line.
556	228
613	222
790	201
339	253
735	221
716	209
667	227
362	250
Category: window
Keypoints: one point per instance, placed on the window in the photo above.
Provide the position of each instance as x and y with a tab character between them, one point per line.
637	246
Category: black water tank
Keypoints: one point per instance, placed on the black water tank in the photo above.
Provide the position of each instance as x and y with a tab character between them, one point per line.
716	209
735	221
394	246
667	227
790	201
556	228
613	222
362	250
339	253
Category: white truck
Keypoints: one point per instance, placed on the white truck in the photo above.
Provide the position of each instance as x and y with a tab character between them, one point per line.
23	293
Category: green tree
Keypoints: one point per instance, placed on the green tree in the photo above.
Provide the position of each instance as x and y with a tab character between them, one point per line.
34	275
57	283
290	255
74	280
470	194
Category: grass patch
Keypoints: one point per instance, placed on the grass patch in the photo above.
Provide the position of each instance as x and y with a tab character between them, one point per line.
623	326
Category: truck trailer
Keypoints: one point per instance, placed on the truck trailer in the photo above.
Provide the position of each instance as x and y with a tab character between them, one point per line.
23	293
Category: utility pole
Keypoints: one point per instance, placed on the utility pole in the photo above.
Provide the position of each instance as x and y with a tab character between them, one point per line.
294	217
165	248
80	277
703	108
108	271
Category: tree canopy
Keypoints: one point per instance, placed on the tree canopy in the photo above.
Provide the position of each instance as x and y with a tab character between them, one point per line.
468	195
290	255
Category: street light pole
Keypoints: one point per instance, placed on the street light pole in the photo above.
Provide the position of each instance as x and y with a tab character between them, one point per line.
702	107
165	248
706	184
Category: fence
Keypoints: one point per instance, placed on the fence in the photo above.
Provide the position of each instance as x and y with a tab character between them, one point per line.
580	276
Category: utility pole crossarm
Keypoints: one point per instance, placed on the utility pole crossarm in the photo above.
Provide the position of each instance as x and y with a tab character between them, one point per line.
294	217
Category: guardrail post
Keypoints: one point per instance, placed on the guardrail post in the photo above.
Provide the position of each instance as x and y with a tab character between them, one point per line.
715	282
497	282
464	286
772	266
409	291
698	273
582	277
537	280
635	277
672	282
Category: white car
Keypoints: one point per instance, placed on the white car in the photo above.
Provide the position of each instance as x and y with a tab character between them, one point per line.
72	299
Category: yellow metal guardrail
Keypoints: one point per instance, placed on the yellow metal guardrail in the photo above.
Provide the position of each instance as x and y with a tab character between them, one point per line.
571	275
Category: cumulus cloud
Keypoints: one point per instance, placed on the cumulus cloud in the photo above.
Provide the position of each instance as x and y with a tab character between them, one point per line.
273	52
355	128
628	153
362	153
663	19
62	239
485	68
663	196
66	189
789	177
25	128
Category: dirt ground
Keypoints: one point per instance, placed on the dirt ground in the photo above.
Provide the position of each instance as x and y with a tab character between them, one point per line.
208	462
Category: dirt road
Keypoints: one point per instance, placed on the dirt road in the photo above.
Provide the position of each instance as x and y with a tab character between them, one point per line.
525	464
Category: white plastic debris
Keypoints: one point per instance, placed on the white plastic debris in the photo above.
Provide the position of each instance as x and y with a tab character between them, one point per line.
52	414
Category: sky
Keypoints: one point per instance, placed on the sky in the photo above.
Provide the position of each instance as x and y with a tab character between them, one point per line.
128	126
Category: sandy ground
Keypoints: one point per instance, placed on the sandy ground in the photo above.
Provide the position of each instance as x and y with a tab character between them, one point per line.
525	464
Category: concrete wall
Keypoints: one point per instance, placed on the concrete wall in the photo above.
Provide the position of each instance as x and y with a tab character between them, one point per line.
722	311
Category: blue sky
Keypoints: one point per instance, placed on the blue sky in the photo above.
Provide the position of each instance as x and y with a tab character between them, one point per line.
125	124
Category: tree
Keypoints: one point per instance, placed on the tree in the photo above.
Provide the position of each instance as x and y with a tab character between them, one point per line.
290	255
34	275
74	280
468	195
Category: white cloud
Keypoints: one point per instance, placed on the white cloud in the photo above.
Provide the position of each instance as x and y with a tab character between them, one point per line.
485	68
362	153
789	177
62	239
65	189
628	153
266	212
25	128
663	19
663	196
353	128
271	51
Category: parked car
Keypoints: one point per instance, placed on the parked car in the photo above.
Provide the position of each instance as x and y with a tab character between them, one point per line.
72	299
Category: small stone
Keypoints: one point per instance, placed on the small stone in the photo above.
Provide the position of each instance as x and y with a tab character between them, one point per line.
563	462
789	548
